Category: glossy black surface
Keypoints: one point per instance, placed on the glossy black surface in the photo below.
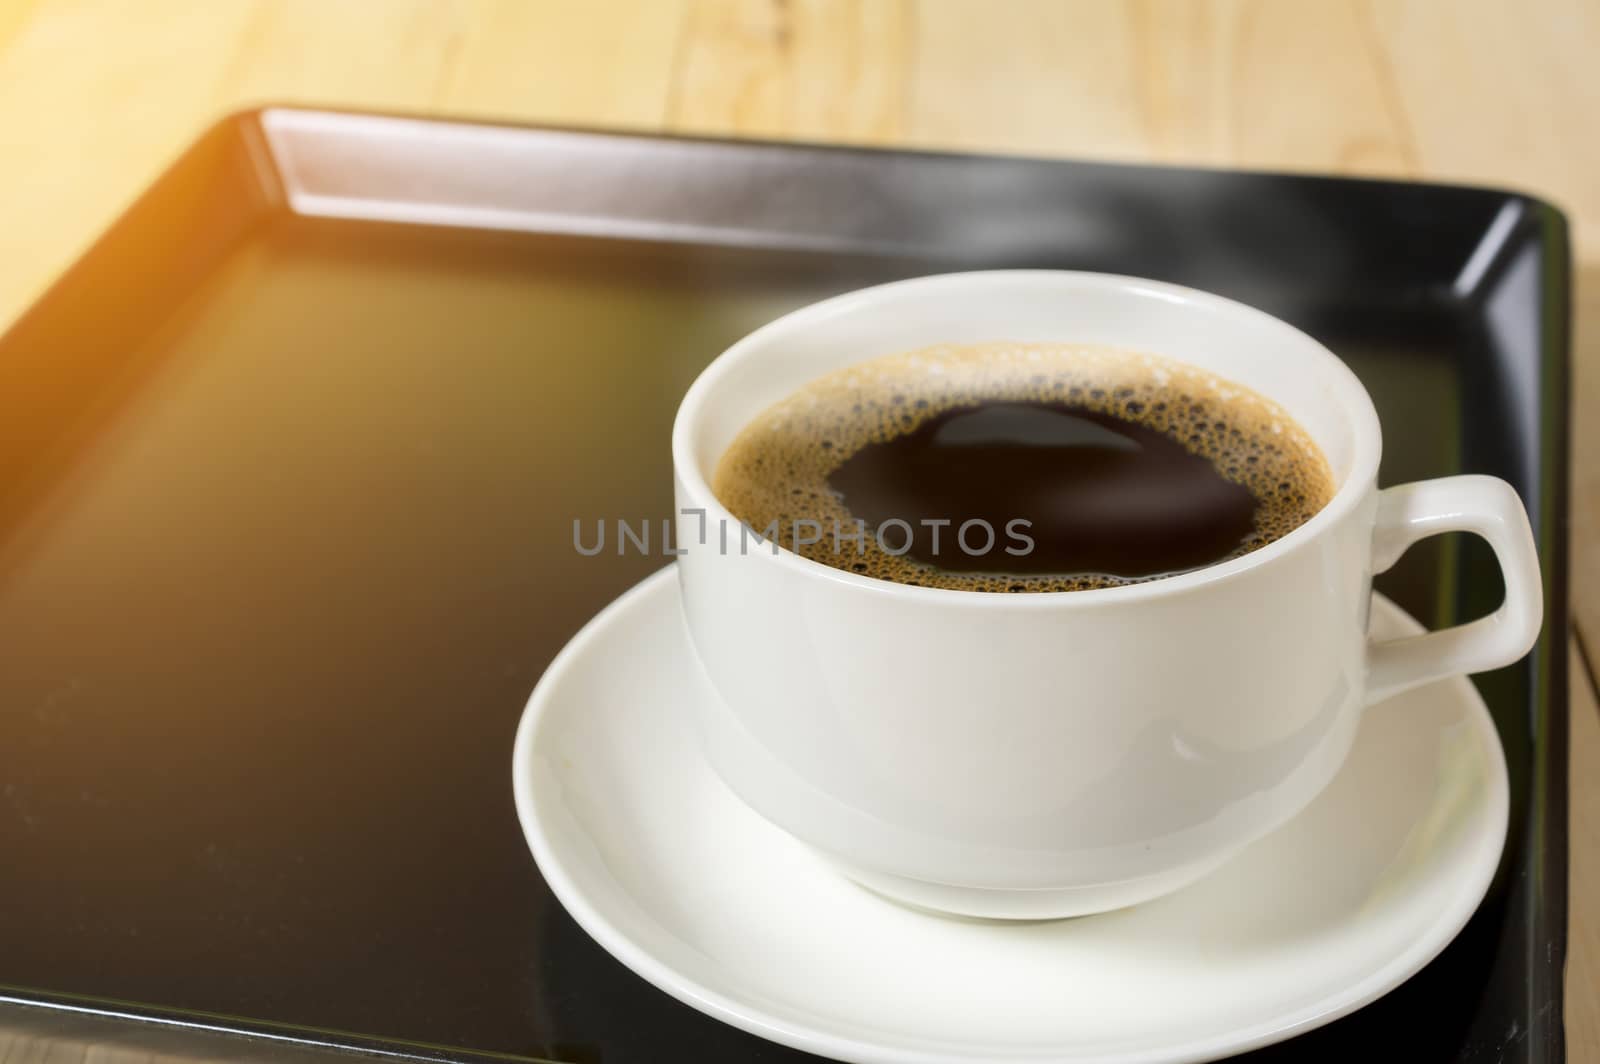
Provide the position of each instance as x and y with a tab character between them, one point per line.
285	541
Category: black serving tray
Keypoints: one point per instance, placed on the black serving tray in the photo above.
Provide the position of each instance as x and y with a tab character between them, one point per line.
288	469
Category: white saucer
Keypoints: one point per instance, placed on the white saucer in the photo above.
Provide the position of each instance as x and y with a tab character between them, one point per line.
658	861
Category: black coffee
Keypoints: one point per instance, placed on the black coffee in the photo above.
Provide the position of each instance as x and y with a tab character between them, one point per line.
1012	467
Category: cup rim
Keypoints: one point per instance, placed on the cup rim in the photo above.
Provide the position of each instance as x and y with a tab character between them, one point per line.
1347	388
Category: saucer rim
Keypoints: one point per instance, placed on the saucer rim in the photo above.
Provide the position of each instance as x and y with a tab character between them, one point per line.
752	1018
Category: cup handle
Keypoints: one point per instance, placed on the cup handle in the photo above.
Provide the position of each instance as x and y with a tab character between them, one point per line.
1485	506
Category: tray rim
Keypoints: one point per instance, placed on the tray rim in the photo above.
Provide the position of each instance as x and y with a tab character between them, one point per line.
254	113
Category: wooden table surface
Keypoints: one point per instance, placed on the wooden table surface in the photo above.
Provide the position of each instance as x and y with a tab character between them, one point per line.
97	96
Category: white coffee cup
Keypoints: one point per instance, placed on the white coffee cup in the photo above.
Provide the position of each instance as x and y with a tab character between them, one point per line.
1053	754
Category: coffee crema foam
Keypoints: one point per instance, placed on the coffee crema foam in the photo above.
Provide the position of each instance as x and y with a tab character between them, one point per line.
778	467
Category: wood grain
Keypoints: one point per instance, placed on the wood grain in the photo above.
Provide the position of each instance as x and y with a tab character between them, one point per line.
1052	76
97	96
602	62
808	70
1227	83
